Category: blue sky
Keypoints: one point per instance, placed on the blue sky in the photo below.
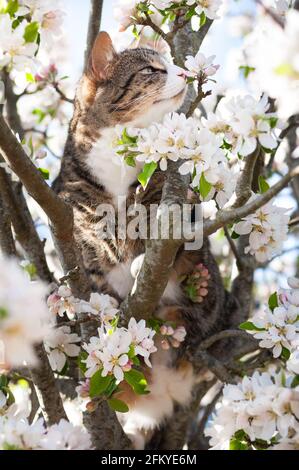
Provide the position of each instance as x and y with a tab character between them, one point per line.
219	41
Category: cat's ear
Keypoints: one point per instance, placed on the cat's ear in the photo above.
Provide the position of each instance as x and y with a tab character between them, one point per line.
102	55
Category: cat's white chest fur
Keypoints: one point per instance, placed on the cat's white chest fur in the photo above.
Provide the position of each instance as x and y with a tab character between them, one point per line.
108	167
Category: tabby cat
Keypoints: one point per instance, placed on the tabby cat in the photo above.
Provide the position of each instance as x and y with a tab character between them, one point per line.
133	88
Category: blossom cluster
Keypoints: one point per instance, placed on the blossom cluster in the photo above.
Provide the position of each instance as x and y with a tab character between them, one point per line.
24	24
16	433
115	349
267	229
135	12
185	139
277	328
261	411
244	121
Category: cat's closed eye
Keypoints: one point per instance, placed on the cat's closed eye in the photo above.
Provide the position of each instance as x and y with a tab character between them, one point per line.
149	70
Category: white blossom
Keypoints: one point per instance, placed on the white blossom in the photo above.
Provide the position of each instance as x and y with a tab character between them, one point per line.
209	7
17	434
279	327
14	51
267	229
24	317
60	344
63	302
263	406
142	339
200	64
65	436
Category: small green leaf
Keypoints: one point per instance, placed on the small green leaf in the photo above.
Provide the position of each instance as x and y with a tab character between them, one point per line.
3	313
203	19
190	13
12	7
235	235
31	32
30	78
82	365
137	381
273	122
285	354
249	326
130	161
99	384
45	173
31	270
295	382
273	301
235	444
147	172
118	405
284	69
263	185
3	381
204	186
226	145
246	70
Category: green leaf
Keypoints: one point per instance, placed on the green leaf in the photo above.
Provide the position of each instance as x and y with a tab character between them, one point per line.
203	19
3	381
30	78
226	145
273	301
246	70
135	32
273	122
111	389
285	354
7	446
99	384
118	405
295	382
31	32
31	270
235	235
137	381
284	69
249	326
130	161
40	114
204	186
82	365
12	7
45	173
263	185
128	139
235	444
147	172
3	313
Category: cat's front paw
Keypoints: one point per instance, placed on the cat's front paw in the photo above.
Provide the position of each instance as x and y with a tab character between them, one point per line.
196	284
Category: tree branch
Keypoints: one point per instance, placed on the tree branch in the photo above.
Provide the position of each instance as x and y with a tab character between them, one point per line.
228	216
7	244
46	389
160	255
59	213
93	27
25	233
244	184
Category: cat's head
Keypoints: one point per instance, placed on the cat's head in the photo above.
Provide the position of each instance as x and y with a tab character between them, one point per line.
135	87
